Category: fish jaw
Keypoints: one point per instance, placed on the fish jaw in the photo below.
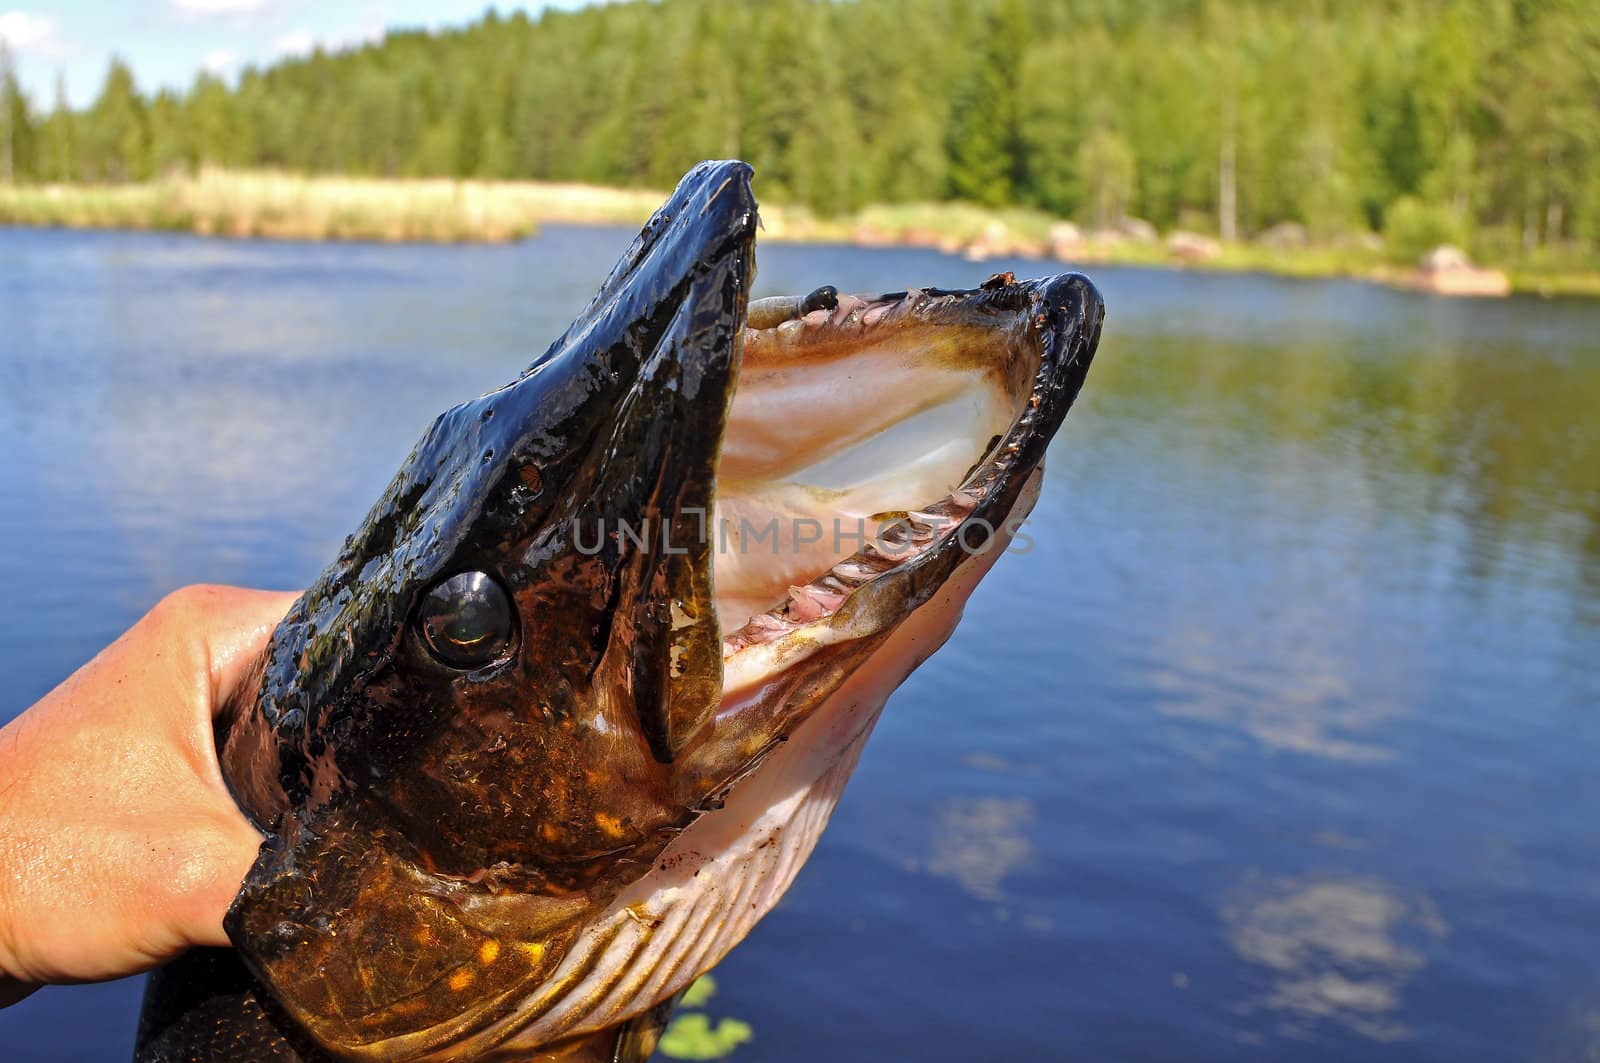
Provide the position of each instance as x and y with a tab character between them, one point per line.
472	862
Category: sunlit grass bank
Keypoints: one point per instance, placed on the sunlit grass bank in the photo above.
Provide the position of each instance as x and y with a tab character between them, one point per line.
284	206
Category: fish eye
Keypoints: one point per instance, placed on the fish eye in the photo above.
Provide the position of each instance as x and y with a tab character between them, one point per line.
465	621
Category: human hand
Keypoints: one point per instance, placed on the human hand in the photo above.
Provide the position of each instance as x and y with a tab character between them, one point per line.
120	846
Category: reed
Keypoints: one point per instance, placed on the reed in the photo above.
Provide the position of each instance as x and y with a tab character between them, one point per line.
288	206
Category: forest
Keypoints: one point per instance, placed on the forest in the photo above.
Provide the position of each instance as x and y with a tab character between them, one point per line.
1475	122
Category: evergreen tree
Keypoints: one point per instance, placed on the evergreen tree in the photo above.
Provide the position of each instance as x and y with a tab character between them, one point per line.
58	140
16	124
212	138
117	129
985	136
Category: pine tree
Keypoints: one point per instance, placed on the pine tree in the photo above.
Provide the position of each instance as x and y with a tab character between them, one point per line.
985	137
117	133
16	125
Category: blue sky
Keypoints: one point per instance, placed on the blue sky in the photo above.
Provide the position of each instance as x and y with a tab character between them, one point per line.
168	41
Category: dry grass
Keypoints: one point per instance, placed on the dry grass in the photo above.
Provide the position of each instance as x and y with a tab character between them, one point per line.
248	203
285	206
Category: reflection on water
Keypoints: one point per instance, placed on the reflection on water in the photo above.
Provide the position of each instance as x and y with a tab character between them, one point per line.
1299	672
1587	1038
1334	948
979	842
1316	714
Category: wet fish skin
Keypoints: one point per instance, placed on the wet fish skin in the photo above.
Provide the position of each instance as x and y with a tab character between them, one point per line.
442	839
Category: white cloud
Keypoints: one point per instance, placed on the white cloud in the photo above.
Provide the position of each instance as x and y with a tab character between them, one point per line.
300	42
219	61
29	34
204	8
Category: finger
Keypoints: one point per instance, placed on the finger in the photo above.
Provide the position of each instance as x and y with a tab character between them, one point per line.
237	623
206	874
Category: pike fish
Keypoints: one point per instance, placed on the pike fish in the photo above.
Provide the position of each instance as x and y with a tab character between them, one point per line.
575	702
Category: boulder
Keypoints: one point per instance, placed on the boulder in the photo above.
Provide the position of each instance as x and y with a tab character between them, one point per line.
1444	258
1186	246
1447	270
1284	236
995	240
1066	240
1138	230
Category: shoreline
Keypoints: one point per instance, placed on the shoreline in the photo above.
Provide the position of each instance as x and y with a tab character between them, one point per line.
268	205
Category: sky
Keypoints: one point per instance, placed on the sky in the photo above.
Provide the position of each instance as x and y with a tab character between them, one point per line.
167	42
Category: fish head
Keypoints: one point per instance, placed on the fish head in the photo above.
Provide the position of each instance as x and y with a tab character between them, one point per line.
575	701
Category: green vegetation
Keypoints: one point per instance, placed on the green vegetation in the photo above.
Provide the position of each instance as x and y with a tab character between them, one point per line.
691	1035
1475	120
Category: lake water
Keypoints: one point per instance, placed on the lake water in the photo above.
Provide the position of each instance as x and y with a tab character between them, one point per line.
1281	742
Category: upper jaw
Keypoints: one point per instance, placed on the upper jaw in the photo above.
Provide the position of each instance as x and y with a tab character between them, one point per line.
653	480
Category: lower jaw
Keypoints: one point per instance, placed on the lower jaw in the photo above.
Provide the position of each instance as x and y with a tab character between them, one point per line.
731	866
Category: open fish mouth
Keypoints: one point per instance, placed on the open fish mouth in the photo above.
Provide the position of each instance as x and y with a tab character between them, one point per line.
925	411
576	700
